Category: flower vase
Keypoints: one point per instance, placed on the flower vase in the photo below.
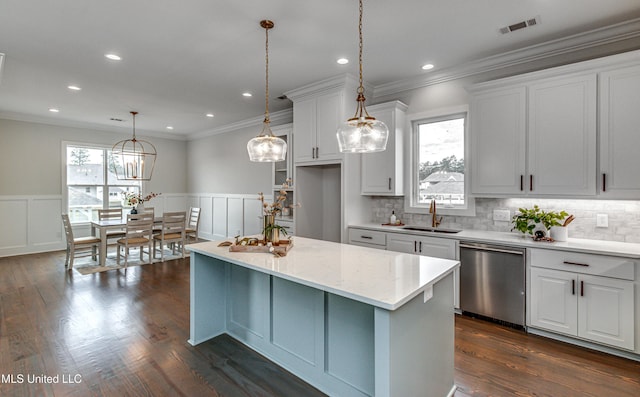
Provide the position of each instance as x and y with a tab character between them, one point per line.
134	210
275	236
267	227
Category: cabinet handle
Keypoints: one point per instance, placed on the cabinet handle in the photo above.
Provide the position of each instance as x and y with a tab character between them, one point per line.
573	287
604	182
313	153
415	246
531	183
521	183
420	246
581	288
576	263
389	183
367	237
317	152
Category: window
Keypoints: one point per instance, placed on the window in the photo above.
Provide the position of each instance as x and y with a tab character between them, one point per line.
91	183
438	164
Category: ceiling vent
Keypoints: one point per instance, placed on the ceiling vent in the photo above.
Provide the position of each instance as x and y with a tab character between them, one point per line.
520	25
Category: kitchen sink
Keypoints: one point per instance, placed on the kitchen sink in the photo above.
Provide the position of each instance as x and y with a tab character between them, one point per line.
431	229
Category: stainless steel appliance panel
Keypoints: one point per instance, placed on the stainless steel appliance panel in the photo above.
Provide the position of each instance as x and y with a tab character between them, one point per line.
492	281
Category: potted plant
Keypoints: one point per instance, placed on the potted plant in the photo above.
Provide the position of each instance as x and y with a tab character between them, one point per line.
530	220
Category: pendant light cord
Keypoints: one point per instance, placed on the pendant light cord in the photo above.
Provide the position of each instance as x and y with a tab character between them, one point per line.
134	125
361	111
266	57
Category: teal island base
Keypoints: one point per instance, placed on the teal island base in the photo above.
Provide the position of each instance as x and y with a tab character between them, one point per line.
342	346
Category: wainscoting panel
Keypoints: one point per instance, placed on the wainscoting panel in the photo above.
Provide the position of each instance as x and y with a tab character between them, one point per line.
30	224
33	224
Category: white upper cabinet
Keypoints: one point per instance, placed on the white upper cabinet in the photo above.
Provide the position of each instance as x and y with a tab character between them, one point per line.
534	137
498	132
382	172
562	136
619	133
315	122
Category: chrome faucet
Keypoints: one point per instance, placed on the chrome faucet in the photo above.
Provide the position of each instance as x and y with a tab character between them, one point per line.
434	218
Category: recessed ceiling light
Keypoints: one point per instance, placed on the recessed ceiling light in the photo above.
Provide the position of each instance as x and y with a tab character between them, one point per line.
247	94
343	61
169	127
113	57
74	88
54	110
209	114
428	66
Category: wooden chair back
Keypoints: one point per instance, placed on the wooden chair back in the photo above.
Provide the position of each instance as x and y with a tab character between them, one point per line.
139	226
194	218
110	213
173	223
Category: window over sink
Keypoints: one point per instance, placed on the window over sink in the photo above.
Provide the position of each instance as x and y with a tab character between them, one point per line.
437	163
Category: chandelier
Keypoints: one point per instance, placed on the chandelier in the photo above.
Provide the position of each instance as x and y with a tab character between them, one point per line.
362	133
266	147
134	158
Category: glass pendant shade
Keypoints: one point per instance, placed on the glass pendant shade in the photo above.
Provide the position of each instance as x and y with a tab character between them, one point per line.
363	135
266	147
134	159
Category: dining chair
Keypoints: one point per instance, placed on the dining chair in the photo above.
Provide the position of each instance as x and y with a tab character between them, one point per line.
111	214
79	245
138	233
192	224
172	232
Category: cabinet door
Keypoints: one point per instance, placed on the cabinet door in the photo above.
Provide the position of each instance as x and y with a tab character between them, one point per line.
562	136
402	243
437	247
329	116
606	311
304	129
554	303
619	137
382	172
498	131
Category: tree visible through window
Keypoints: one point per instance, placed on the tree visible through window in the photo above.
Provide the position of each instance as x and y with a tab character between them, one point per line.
439	172
92	184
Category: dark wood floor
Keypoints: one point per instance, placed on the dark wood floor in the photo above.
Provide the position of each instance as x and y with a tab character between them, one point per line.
124	334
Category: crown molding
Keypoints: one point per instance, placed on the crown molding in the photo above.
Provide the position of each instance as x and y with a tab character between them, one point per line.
281	117
563	46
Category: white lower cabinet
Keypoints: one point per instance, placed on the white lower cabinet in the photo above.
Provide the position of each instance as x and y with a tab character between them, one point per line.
595	308
436	247
367	238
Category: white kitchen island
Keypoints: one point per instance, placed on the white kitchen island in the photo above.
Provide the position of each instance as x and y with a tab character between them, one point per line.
351	321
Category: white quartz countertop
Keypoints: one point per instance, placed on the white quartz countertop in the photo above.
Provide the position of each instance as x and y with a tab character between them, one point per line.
629	250
380	278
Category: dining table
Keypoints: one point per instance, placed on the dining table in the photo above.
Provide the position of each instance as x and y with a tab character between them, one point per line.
102	226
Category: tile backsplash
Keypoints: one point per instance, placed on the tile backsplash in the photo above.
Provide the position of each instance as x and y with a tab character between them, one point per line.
623	216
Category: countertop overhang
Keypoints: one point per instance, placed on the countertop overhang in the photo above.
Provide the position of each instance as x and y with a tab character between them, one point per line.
380	278
616	248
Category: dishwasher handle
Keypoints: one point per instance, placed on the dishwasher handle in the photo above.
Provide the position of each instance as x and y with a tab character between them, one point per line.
492	249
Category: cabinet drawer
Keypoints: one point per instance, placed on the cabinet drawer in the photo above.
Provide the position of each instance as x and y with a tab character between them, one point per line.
598	265
367	236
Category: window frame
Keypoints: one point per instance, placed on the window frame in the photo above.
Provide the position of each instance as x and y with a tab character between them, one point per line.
412	167
105	185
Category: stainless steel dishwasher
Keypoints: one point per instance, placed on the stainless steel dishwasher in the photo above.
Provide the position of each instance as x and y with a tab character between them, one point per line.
492	282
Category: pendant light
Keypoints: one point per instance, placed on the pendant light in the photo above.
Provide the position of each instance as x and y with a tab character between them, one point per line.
362	133
134	158
266	147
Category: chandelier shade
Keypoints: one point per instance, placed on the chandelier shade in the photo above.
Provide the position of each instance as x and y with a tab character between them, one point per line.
362	133
266	147
134	159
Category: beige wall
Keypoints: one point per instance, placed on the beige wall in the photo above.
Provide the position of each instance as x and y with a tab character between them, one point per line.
31	158
220	164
